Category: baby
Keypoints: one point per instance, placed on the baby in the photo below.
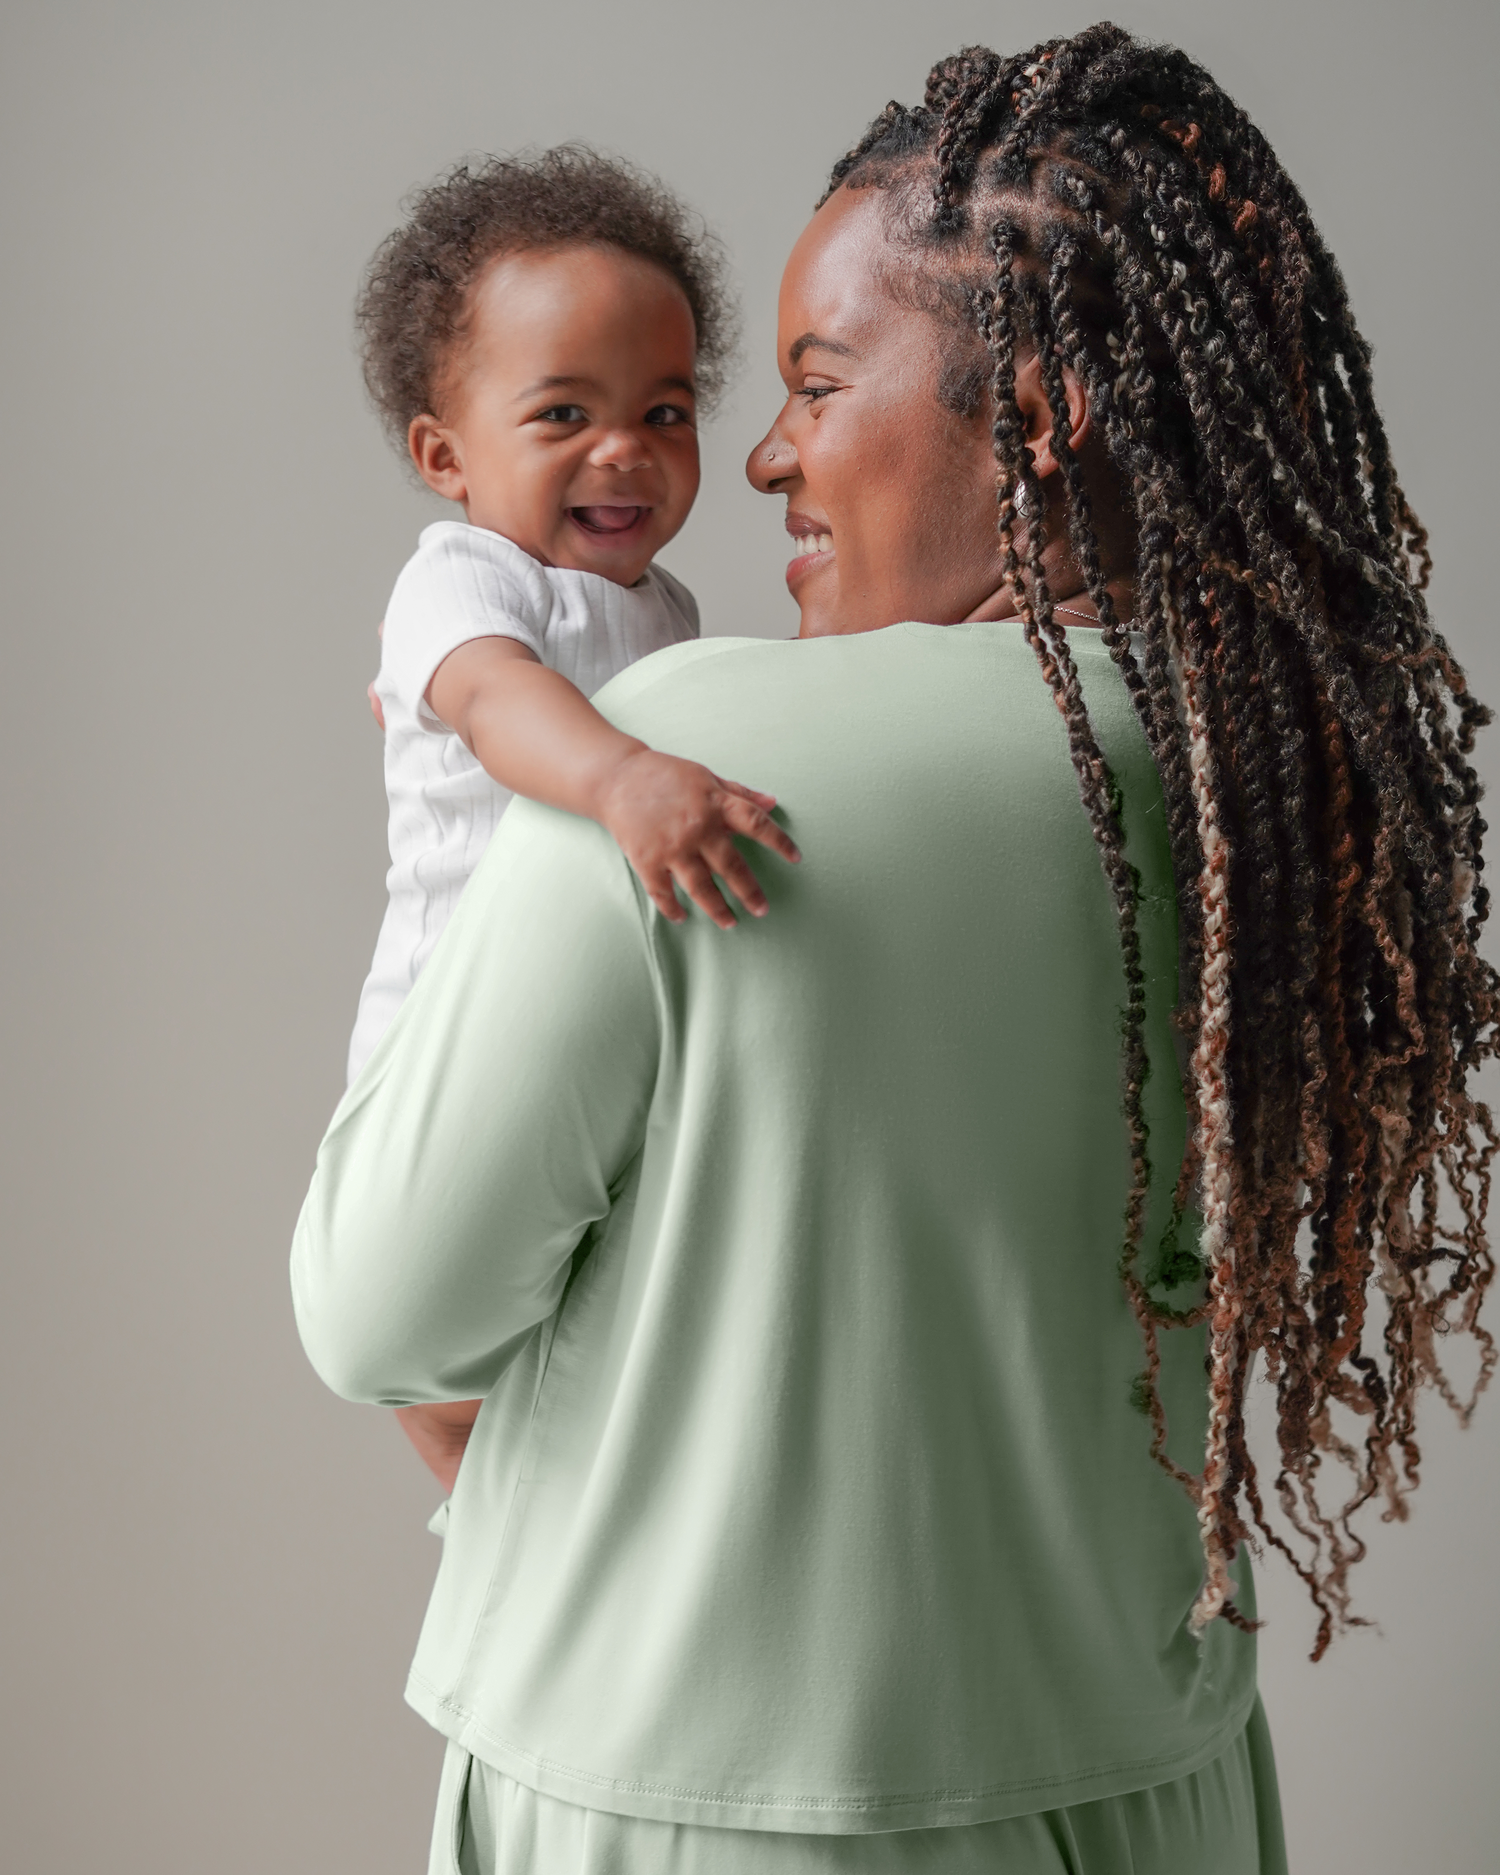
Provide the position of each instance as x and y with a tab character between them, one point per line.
539	337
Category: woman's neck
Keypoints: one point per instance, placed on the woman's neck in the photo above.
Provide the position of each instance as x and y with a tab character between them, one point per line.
1070	597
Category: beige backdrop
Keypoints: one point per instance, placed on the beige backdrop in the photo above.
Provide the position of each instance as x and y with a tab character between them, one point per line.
214	1570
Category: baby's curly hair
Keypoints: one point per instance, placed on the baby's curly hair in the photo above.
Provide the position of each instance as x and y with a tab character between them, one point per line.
414	303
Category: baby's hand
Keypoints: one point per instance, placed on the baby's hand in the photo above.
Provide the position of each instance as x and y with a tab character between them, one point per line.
675	821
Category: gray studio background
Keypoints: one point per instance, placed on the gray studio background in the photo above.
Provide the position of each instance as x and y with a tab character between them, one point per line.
213	1570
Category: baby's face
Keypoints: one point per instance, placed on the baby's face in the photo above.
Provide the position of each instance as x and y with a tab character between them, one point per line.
568	424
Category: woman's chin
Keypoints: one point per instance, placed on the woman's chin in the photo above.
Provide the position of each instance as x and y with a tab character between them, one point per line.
811	582
805	570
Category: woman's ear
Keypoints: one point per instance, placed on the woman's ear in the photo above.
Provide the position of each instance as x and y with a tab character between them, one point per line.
1036	412
434	450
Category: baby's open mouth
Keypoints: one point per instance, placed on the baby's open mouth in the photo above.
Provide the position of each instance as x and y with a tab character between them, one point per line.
607	519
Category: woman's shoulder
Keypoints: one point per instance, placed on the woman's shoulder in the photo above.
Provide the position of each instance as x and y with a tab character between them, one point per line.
673	664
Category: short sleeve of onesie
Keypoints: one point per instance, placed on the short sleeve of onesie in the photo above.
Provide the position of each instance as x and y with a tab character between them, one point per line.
462	582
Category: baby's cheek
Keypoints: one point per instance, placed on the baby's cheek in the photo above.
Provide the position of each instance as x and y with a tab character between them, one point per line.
682	482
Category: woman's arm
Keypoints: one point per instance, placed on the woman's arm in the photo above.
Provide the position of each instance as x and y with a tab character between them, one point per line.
483	1138
538	735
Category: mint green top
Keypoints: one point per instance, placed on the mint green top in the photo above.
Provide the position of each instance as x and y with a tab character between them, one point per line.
808	1493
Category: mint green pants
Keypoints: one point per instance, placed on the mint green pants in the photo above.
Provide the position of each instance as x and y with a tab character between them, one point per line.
1222	1820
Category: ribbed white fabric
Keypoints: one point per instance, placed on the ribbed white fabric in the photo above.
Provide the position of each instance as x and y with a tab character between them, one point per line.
466	582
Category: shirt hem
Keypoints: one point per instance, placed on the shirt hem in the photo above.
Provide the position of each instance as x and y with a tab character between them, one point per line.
834	1815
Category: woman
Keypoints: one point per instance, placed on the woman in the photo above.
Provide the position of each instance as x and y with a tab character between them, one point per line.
1097	222
1080	272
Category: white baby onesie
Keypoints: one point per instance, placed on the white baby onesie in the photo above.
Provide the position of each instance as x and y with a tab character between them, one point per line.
466	582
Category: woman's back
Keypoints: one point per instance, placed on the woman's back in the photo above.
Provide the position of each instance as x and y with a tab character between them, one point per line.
820	1502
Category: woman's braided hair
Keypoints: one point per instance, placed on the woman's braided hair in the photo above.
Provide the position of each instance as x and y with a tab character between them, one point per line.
1103	203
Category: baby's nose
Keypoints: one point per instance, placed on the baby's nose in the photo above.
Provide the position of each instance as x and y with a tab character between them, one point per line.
621	449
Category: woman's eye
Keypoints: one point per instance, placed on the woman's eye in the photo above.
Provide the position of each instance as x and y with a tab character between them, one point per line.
665	416
814	393
563	413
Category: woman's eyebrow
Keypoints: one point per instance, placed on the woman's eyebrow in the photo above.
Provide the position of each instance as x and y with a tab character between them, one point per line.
810	341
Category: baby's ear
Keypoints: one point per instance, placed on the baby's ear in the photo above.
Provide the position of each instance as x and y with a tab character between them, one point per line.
434	450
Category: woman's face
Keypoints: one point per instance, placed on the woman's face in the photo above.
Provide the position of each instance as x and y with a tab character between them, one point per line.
890	495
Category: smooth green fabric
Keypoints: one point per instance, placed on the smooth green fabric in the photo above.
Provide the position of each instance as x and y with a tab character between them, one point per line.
1224	1819
808	1494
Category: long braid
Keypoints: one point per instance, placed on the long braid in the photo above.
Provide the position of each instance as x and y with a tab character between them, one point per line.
1099	790
1048	639
1105	206
1214	1141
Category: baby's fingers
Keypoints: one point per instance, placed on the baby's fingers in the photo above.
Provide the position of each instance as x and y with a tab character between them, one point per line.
696	880
767	801
659	889
726	859
742	817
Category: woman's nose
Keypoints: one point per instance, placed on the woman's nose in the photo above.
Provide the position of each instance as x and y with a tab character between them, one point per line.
772	462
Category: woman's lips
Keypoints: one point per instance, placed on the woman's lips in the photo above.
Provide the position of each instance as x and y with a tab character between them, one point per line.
813	546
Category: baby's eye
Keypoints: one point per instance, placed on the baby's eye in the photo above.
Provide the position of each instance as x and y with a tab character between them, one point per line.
562	413
666	416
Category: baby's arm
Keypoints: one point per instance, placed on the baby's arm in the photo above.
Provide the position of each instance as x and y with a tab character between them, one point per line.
538	735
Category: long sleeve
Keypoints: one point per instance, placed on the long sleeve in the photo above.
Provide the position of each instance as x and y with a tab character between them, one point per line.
808	1493
465	1165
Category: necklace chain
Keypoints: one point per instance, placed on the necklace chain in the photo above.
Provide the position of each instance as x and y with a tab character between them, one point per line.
1090	618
